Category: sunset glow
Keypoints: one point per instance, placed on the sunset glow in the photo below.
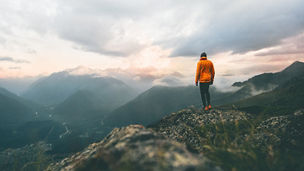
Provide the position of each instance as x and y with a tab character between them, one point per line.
39	38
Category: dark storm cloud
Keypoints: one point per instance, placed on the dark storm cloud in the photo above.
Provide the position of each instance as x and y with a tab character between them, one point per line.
10	59
245	27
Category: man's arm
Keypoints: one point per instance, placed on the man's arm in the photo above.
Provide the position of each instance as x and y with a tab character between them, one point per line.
197	75
212	72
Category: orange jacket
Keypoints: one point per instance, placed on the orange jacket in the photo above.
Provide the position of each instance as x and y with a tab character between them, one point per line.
204	71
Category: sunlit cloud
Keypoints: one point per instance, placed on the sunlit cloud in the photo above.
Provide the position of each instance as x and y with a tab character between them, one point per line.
150	40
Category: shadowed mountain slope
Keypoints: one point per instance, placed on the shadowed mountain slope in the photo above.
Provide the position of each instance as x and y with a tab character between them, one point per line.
269	80
264	82
13	111
81	107
155	103
285	98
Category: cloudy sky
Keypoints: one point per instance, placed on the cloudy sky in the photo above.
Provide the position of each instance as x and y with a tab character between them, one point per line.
155	40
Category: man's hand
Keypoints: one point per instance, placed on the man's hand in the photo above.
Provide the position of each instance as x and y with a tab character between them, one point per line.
211	82
196	83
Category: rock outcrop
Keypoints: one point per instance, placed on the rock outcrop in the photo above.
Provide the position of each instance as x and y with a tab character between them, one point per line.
185	125
135	148
284	131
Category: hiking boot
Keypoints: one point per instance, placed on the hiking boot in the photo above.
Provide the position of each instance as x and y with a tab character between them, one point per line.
206	108
209	107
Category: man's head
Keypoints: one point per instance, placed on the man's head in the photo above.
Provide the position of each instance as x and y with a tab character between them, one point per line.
204	54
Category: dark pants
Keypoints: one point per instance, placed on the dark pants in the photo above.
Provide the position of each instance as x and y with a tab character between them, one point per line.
205	95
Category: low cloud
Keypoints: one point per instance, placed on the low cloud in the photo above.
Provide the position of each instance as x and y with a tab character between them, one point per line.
168	81
227	75
31	51
14	68
139	78
262	68
10	59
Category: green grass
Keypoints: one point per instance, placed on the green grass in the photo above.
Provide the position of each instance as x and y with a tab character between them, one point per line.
232	147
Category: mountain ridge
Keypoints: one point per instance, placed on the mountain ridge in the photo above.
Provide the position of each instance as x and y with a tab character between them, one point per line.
286	97
54	89
262	81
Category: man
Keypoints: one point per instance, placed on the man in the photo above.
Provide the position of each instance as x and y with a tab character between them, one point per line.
205	76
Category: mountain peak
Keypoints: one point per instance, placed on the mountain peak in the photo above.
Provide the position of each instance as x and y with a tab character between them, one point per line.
83	70
297	66
297	62
78	71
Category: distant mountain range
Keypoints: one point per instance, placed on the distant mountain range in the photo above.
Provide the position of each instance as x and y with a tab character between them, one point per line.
91	106
57	102
56	88
87	104
79	99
